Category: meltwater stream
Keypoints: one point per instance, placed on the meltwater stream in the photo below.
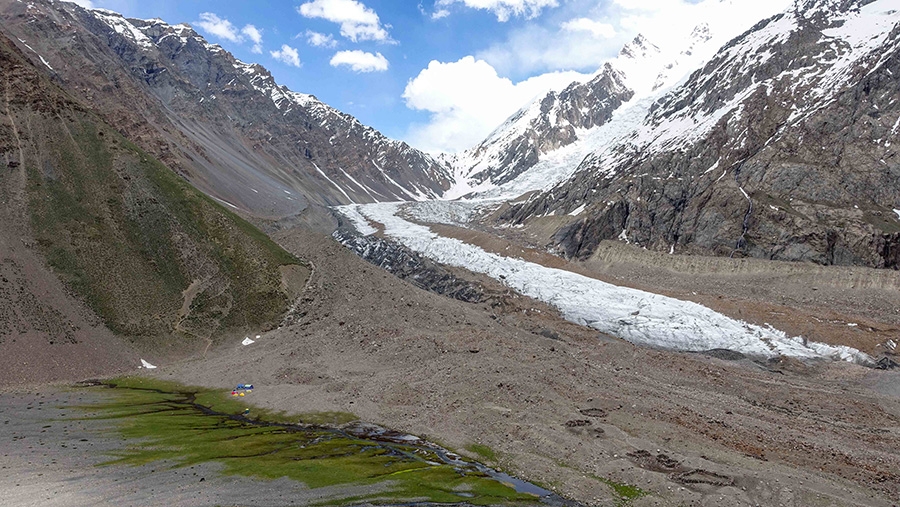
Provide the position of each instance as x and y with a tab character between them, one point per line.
181	425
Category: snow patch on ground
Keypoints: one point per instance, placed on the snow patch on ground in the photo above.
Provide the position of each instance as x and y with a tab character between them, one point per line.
122	26
145	364
577	211
223	201
640	317
361	223
341	190
897	211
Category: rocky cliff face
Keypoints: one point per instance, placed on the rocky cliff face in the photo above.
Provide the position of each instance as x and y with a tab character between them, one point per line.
224	124
780	146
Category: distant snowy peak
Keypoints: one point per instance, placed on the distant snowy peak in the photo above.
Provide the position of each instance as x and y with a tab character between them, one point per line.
640	64
853	39
646	68
559	119
639	49
800	113
543	126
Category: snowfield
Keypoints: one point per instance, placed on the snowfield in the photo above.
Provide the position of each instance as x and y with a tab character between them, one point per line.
639	317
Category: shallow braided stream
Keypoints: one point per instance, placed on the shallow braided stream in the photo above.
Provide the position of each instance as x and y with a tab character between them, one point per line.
163	422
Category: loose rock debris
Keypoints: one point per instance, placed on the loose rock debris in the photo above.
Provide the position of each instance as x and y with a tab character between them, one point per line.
658	463
593	412
700	476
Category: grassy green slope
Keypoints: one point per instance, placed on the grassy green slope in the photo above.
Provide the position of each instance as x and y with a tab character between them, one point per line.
150	255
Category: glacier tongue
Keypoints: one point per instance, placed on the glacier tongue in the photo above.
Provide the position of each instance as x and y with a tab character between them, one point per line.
640	317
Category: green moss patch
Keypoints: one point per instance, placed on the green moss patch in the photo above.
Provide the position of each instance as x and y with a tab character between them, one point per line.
625	492
187	426
483	451
130	237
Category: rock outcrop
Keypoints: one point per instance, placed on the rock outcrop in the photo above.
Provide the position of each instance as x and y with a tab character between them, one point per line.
781	147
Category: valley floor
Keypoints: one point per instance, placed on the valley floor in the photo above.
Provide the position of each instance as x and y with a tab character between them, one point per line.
511	375
53	451
510	383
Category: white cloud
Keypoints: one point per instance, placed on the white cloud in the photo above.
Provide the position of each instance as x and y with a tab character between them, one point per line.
669	21
360	61
358	22
440	13
320	40
287	55
467	100
224	29
503	9
596	28
536	49
592	33
221	28
255	35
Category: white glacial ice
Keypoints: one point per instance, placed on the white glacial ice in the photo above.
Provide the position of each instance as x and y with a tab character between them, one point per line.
639	317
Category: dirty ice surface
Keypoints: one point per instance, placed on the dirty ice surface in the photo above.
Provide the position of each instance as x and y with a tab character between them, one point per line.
639	317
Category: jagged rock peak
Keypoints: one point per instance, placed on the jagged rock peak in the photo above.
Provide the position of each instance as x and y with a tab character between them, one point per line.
639	47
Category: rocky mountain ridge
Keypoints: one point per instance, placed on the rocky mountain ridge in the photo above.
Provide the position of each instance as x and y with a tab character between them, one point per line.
779	147
224	124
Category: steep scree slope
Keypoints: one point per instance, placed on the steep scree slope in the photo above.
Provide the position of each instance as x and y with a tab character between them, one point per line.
224	124
152	258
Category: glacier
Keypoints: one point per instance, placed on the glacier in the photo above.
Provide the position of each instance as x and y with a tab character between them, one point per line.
642	318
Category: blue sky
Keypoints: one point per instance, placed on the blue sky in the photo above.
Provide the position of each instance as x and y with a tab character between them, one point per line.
439	74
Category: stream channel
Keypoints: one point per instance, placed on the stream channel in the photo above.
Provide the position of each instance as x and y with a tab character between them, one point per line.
172	424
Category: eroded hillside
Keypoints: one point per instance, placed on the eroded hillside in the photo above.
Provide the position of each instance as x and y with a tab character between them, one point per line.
151	258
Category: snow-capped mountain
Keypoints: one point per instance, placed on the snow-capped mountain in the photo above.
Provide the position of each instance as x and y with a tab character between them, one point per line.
642	69
224	124
781	145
